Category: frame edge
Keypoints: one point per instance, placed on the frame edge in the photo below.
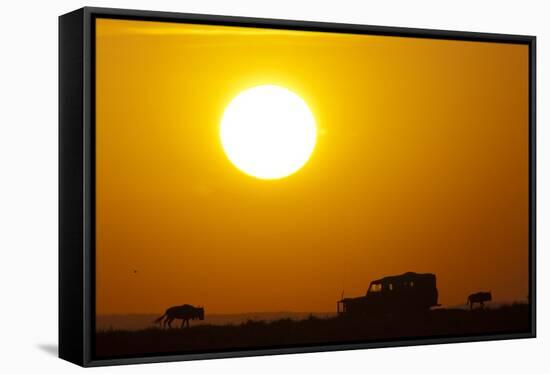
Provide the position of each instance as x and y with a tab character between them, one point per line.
71	220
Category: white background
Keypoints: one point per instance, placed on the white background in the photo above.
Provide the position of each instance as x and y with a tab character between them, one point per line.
28	184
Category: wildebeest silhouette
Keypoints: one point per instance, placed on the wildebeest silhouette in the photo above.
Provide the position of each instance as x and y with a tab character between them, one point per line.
184	312
480	298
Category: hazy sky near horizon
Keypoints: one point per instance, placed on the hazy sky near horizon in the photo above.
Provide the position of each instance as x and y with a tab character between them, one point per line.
421	164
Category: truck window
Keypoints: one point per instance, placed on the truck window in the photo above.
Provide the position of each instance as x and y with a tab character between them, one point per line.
375	288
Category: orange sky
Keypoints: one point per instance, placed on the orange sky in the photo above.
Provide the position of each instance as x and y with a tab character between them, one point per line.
421	164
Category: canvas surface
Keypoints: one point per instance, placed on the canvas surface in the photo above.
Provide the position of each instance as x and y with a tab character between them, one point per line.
420	165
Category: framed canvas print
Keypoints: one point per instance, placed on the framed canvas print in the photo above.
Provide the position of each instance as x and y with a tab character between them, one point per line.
236	186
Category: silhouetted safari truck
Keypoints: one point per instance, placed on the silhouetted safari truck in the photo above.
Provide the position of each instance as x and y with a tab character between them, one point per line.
406	293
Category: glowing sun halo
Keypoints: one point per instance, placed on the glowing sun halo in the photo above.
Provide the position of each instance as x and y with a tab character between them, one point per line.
268	132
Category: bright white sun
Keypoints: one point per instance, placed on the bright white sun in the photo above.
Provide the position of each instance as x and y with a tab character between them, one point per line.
268	132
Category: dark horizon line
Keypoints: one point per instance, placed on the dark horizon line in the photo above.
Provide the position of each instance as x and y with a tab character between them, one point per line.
220	314
451	306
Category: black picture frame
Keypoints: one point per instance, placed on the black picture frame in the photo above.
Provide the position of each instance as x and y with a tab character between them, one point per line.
76	177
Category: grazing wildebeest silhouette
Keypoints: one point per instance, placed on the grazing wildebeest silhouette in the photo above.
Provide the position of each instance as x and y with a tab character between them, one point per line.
480	298
184	312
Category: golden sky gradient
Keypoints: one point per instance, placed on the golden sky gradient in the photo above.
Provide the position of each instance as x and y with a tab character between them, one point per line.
421	164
